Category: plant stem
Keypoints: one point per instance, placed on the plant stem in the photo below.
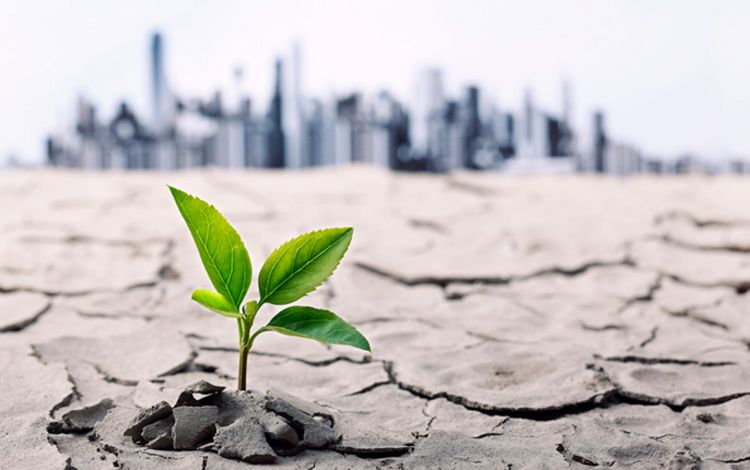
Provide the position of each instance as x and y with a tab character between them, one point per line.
244	350
242	370
244	324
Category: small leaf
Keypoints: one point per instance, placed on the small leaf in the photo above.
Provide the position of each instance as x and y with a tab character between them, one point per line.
216	302
300	265
220	247
318	324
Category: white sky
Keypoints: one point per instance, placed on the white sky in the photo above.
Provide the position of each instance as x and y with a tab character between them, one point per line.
673	76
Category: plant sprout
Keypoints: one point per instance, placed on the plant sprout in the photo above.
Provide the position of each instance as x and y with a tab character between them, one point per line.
293	270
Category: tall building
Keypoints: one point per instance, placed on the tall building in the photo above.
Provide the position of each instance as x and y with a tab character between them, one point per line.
346	129
426	108
315	133
569	143
472	127
253	145
328	132
163	154
256	143
503	133
160	96
532	130
276	144
293	117
389	130
557	137
453	143
229	137
600	143
89	152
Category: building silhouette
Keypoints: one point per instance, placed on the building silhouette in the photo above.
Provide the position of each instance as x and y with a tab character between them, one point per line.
600	143
276	141
159	90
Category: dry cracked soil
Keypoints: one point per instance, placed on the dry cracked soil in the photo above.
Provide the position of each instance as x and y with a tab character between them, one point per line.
529	322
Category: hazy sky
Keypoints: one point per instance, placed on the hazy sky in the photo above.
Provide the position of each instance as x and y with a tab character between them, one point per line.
673	76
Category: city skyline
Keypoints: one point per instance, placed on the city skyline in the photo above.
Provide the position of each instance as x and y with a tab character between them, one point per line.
438	133
670	75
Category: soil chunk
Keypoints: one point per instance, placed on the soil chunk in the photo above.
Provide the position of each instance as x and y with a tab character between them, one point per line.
193	425
204	388
159	434
145	417
82	420
244	440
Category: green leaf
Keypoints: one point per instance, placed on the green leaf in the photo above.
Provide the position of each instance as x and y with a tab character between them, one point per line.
318	324
220	247
216	302
300	265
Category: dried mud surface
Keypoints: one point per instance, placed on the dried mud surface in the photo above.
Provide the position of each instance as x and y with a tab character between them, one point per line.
515	323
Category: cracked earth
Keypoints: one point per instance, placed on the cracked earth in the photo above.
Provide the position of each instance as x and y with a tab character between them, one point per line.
515	323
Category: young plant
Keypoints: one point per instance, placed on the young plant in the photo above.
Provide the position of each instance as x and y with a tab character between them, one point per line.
293	270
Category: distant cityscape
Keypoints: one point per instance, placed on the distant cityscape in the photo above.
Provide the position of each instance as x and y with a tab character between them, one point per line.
437	133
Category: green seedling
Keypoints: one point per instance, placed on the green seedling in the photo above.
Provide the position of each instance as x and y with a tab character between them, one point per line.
293	270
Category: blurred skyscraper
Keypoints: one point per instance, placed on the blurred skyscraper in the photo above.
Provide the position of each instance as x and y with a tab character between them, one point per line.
600	143
532	142
426	109
472	129
276	140
293	119
160	100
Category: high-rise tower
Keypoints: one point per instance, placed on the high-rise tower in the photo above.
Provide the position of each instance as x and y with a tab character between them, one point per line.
600	143
532	133
276	155
160	96
426	112
294	121
472	126
164	155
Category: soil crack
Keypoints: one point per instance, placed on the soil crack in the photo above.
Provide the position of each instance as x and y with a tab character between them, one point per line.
534	414
444	281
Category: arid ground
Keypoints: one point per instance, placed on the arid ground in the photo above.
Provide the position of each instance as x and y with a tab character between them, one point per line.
525	322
